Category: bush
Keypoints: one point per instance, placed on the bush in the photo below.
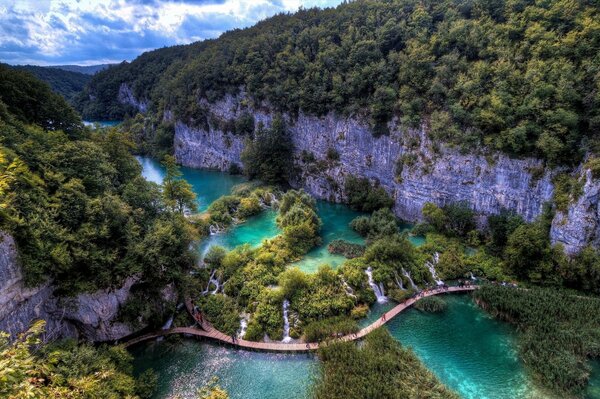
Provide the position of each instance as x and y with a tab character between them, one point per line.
431	304
365	197
222	312
347	249
329	328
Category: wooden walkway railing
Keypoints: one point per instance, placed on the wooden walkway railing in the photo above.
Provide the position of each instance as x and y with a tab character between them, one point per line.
209	331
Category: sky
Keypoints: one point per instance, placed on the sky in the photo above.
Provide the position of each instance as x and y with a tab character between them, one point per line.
87	32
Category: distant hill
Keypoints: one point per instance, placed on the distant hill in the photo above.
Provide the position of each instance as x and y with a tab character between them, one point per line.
66	83
88	69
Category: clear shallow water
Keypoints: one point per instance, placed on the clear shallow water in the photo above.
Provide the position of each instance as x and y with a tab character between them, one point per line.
186	366
253	231
336	220
469	351
593	389
208	185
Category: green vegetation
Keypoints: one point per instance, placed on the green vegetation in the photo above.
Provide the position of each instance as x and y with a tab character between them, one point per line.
31	101
558	332
77	205
268	155
515	76
379	369
66	83
453	219
431	304
380	223
31	369
330	328
365	197
347	249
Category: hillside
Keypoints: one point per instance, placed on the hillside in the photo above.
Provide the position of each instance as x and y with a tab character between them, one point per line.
520	77
64	82
85	69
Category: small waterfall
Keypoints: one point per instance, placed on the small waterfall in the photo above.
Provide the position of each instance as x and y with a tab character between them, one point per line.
472	276
215	229
399	282
431	267
410	280
377	289
286	322
212	280
243	325
168	324
349	290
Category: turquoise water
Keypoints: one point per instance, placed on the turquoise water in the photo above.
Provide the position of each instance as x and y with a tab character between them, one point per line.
469	351
336	220
593	389
101	123
208	185
253	231
187	365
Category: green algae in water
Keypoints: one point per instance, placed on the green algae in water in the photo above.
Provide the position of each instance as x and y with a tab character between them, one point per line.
208	185
187	365
469	351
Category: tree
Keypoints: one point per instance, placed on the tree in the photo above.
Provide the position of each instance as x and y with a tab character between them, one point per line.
177	193
268	156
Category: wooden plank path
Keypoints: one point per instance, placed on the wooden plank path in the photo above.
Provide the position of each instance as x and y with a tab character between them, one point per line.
208	331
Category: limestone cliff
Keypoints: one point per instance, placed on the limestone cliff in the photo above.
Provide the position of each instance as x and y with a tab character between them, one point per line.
406	163
87	316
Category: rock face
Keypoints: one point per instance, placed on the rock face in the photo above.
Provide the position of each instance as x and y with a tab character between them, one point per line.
126	96
88	316
580	225
406	163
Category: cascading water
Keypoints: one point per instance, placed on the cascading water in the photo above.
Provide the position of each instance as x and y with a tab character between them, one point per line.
215	229
212	281
377	289
399	282
431	267
349	290
472	276
243	325
286	322
168	324
410	280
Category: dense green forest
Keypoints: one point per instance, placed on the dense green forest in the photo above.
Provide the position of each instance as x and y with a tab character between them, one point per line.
66	83
75	201
64	369
519	76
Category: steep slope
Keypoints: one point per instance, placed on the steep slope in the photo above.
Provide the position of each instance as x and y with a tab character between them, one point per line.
66	83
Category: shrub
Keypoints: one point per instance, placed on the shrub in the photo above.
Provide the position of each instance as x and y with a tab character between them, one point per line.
365	197
347	249
329	328
431	304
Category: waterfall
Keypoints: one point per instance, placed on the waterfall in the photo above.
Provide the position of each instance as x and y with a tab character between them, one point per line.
212	280
410	280
431	267
377	289
243	325
349	290
168	324
215	229
286	322
472	276
399	281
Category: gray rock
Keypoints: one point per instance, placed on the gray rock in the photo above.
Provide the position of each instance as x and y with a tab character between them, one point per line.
443	176
89	316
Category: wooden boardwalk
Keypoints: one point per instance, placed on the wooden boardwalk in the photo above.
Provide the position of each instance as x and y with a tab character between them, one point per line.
209	331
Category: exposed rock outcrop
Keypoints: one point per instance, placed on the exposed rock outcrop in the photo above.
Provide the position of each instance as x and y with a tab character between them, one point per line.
580	225
411	168
126	96
88	316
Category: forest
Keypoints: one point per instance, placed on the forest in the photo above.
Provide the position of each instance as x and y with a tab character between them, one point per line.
66	83
519	76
